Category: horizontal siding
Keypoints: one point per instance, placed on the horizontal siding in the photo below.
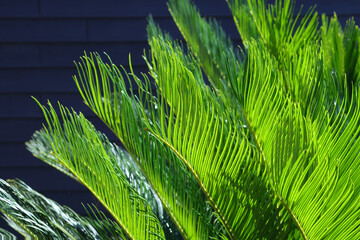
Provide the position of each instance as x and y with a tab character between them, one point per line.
64	54
42	30
139	8
40	39
35	80
15	155
19	8
19	130
22	106
100	9
88	30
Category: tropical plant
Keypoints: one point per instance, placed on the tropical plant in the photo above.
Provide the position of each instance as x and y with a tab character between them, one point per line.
268	149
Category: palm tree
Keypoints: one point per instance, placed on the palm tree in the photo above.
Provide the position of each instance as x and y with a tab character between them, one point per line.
269	149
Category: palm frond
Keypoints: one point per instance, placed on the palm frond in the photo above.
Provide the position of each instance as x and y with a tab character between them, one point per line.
81	149
278	31
243	20
340	142
310	157
6	235
351	44
198	128
305	178
310	186
276	25
341	55
104	91
209	43
37	217
40	147
104	226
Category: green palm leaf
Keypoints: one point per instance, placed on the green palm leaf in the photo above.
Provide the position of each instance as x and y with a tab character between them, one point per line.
213	49
341	55
37	217
81	149
41	146
276	30
203	134
6	235
306	183
275	25
104	91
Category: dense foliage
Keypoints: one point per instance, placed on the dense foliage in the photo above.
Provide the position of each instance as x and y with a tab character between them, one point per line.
269	149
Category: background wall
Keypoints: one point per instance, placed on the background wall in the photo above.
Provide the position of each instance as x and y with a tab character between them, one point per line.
40	39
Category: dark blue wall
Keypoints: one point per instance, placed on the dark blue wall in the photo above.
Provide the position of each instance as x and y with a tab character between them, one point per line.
39	39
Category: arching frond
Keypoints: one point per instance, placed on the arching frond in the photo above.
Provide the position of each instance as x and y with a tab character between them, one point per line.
304	177
104	91
37	217
211	143
81	149
312	186
6	235
243	20
275	25
332	144
340	141
278	31
210	44
41	146
341	56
